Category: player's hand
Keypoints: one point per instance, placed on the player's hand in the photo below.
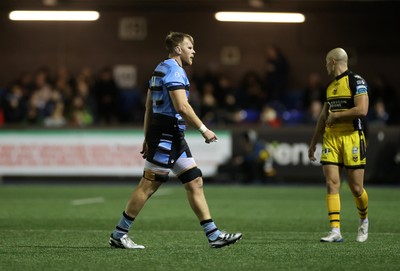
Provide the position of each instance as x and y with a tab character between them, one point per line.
311	152
210	136
332	118
144	150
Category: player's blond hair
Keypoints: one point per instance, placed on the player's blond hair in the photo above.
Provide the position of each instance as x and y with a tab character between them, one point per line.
173	39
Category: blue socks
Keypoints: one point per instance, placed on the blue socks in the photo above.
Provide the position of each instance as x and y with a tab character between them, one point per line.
123	226
210	229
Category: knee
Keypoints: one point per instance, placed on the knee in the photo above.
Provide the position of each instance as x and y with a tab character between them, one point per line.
147	187
333	186
191	175
356	190
194	185
332	183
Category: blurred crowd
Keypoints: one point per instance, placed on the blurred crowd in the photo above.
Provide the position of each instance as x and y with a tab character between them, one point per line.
61	99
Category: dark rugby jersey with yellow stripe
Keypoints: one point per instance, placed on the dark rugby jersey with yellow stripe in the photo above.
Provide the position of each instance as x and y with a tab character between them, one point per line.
340	97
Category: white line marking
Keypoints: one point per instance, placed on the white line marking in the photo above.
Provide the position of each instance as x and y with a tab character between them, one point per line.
162	192
87	201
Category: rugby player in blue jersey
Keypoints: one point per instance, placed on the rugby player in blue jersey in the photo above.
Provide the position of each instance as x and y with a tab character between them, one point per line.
165	149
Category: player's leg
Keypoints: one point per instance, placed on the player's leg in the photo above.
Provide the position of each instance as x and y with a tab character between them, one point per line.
356	184
332	175
196	198
355	162
191	177
147	186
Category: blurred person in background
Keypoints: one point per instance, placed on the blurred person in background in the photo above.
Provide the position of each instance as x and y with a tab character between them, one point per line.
227	100
209	103
313	98
276	74
14	105
312	112
26	81
64	85
253	164
195	98
83	90
379	115
165	148
79	114
106	92
270	117
384	101
41	96
56	117
344	144
252	94
32	116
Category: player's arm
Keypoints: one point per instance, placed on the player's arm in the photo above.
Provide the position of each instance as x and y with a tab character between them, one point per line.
360	109
183	107
148	116
318	132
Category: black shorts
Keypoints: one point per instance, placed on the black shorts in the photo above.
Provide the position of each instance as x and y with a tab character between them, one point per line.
166	143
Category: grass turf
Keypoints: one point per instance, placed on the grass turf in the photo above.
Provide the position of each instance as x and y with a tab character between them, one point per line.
67	228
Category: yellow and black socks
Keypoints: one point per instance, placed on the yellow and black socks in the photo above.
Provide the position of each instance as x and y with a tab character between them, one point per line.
333	205
362	205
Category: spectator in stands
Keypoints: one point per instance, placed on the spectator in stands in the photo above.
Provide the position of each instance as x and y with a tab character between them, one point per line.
25	80
52	117
14	105
313	98
378	115
195	98
80	115
384	102
312	112
277	73
106	93
253	164
208	103
270	117
33	116
42	93
252	94
227	100
63	84
86	75
82	89
56	118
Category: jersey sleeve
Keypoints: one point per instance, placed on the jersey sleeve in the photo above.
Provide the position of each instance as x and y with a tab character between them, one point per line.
358	85
174	79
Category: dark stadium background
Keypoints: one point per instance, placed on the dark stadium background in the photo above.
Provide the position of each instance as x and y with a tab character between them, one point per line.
366	29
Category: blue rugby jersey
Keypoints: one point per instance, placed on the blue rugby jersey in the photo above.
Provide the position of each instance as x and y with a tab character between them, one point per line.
168	76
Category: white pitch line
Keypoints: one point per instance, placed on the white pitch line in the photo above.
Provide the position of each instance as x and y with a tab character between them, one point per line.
162	192
87	201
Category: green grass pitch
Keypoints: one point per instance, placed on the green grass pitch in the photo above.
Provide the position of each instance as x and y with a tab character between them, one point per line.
59	227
